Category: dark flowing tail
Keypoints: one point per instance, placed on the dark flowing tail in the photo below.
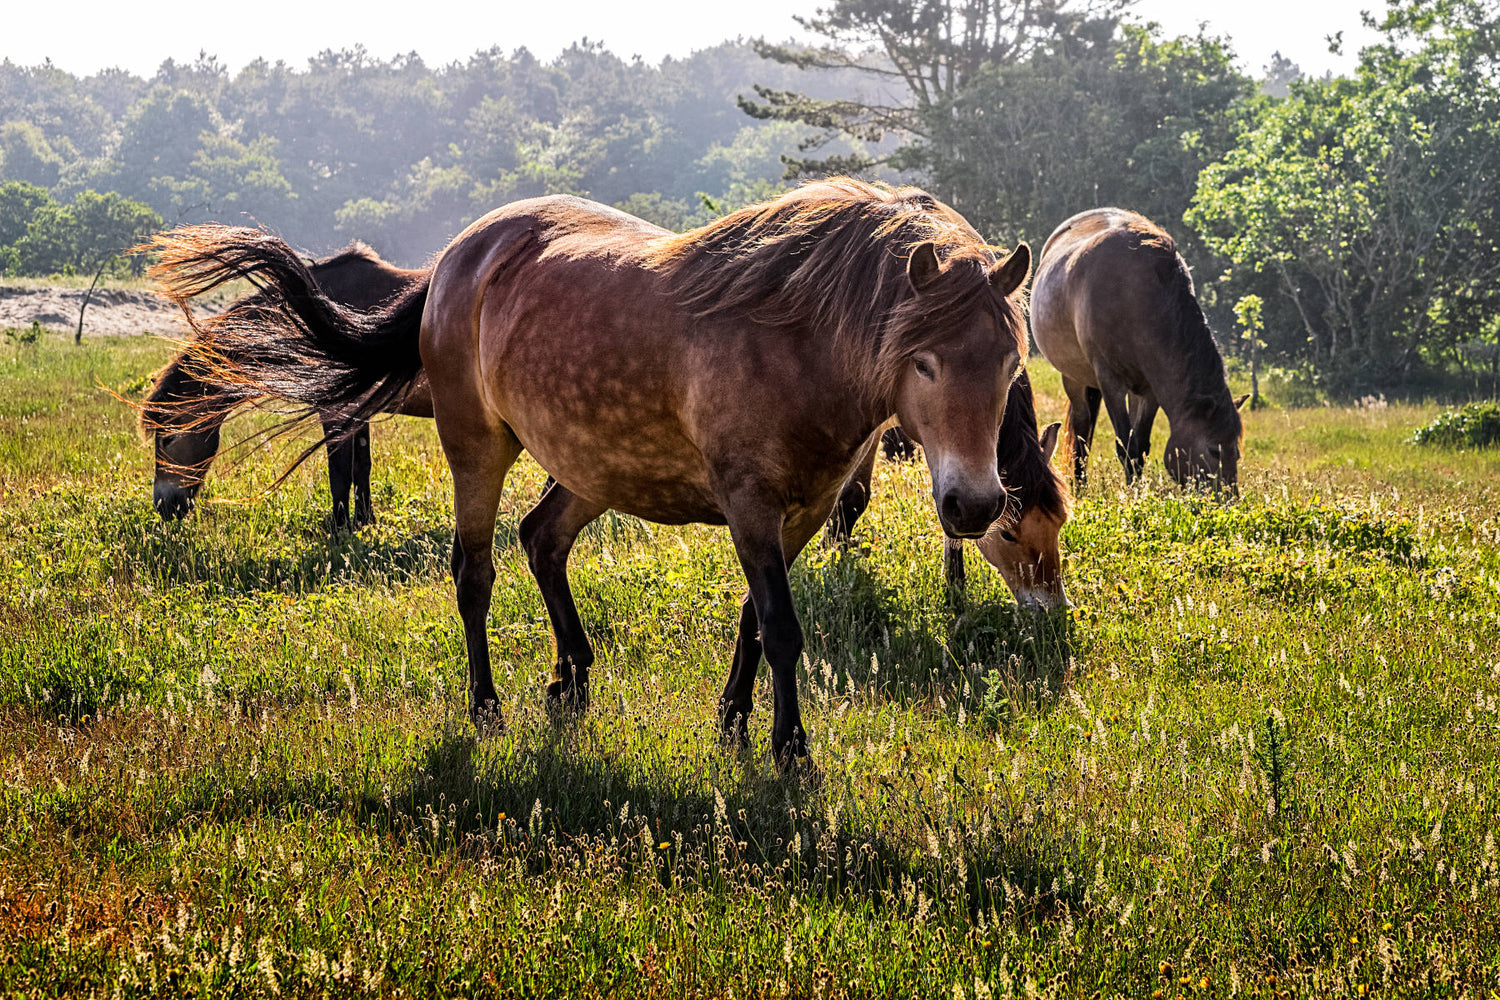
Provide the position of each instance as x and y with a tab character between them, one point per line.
290	340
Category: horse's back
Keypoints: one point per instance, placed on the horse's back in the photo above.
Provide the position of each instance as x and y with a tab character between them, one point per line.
1099	284
544	317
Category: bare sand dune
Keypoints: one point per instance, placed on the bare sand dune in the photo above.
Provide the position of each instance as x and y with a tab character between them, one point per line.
113	311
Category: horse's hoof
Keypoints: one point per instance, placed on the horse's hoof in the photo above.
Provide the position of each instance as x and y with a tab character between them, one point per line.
801	770
567	697
734	730
487	718
791	752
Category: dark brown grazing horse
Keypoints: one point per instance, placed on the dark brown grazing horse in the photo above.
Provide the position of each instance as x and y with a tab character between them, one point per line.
1023	543
1113	309
728	375
186	428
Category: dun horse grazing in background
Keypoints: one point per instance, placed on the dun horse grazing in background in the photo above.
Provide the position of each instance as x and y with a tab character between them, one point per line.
1113	309
728	375
185	424
1023	543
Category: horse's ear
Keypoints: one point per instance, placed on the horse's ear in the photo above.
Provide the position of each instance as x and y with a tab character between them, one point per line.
1049	439
1240	403
923	267
1011	273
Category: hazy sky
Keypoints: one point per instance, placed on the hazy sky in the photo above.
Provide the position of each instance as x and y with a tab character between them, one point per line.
86	35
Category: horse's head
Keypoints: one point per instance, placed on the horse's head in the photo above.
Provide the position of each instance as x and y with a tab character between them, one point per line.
951	392
1027	552
185	446
1203	449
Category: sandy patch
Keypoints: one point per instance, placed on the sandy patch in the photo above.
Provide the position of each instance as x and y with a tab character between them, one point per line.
112	312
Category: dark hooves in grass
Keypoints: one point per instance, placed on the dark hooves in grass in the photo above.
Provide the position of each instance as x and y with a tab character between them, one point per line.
485	714
790	754
567	698
800	769
734	729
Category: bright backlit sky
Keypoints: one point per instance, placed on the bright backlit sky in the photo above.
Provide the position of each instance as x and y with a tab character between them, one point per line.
83	36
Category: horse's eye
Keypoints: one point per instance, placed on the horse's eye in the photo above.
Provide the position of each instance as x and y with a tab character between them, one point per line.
1012	539
923	368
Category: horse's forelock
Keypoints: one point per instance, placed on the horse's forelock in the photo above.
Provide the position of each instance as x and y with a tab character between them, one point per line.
947	311
1028	474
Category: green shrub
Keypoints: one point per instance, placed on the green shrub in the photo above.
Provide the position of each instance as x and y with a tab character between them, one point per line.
27	336
1476	425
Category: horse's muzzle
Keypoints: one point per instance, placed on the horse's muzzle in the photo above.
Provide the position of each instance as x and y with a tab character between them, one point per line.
965	516
172	502
1042	601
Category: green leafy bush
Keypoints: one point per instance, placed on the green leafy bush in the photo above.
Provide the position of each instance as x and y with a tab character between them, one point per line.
1476	425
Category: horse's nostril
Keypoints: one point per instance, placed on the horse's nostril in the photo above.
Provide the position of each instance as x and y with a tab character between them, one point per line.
999	508
952	508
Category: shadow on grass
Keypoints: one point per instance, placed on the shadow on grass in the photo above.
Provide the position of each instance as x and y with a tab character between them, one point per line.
862	628
173	555
552	804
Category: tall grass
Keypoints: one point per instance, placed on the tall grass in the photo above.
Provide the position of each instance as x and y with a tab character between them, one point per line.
1258	758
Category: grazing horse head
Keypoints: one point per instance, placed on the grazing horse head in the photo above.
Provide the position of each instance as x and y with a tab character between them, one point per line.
1024	545
184	412
185	445
1203	449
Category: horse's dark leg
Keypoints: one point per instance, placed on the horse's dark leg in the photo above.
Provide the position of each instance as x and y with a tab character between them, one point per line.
547	534
1083	413
341	452
953	564
364	506
855	497
739	690
764	544
479	462
1142	415
1119	418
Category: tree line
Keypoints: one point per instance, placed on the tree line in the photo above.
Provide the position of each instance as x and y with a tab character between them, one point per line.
1344	228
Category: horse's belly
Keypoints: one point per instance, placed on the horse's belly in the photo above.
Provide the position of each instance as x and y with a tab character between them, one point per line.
1056	336
652	478
624	451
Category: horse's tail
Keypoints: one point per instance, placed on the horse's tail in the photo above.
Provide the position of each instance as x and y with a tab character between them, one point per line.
290	341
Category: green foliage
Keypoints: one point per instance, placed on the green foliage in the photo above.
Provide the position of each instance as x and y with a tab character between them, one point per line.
26	156
82	236
395	152
1364	207
978	118
1273	759
1476	425
1147	115
19	202
665	212
1247	311
27	336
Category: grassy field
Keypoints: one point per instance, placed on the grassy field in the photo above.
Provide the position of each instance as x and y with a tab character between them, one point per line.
1261	757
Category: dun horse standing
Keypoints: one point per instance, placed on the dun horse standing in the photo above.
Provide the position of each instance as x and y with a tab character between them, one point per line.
728	375
1113	309
181	416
